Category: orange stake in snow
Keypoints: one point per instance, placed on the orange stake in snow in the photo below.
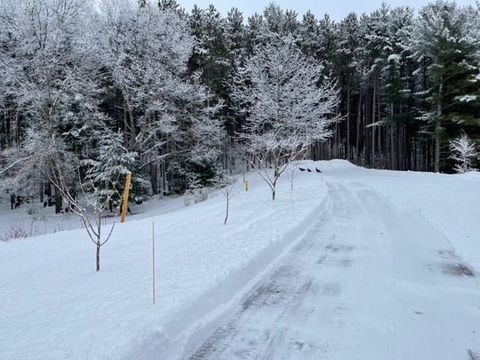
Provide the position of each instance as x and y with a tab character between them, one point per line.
126	194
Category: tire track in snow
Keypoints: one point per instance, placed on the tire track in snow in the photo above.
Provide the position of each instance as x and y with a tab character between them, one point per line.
280	295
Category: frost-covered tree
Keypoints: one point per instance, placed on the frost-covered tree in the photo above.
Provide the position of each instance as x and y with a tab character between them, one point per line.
144	50
106	175
348	61
211	52
42	157
49	80
257	32
442	47
226	183
400	87
236	35
279	22
169	5
103	188
309	35
165	113
286	109
464	152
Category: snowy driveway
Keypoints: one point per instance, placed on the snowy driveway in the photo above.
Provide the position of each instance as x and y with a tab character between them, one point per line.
368	281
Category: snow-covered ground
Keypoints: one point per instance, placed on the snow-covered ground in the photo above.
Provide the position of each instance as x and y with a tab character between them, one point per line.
34	220
355	264
449	203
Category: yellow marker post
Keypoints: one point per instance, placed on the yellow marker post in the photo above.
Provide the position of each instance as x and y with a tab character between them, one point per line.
126	194
246	185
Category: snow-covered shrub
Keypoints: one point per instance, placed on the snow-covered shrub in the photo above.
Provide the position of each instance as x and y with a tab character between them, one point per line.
15	232
35	212
197	195
196	192
464	152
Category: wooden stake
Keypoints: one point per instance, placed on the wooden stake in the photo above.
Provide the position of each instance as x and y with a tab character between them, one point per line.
126	194
153	263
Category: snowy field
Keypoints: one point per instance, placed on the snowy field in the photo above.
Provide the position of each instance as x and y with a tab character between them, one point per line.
355	264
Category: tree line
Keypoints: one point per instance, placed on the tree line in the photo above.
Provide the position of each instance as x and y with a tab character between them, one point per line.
91	90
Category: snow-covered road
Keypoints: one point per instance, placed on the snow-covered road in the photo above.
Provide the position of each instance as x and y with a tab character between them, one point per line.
368	281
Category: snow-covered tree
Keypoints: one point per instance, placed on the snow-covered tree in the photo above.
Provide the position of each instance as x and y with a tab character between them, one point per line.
165	113
286	109
49	160
226	183
446	56
42	157
349	73
464	152
309	35
279	22
169	5
236	35
144	51
211	52
50	81
106	175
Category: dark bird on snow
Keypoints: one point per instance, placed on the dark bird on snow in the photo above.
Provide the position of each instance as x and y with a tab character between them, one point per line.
318	171
309	170
302	169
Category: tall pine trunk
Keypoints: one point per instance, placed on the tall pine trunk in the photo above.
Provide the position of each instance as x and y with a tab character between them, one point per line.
438	129
348	123
359	121
374	98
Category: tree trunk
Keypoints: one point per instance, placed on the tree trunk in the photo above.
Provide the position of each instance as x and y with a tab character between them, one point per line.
348	123
276	175
359	120
48	191
154	177
133	130
99	239
42	191
438	130
98	256
226	211
397	147
125	123
374	108
380	128
437	149
58	201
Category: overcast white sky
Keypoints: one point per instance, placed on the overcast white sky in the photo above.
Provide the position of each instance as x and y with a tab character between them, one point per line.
337	9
